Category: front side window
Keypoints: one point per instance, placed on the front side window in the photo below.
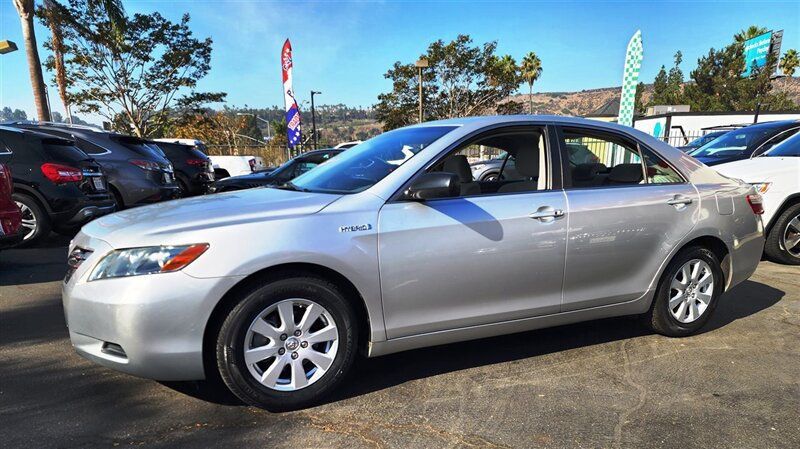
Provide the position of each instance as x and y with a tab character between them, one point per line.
361	167
599	159
788	148
500	162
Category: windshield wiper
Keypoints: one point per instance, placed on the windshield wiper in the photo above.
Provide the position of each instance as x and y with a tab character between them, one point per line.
289	185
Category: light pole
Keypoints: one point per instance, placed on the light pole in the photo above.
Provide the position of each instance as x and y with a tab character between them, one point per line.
7	47
421	64
269	125
314	117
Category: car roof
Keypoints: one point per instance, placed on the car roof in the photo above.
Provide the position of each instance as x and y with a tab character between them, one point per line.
33	133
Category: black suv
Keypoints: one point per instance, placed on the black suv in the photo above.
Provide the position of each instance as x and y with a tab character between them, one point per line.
285	173
56	186
193	169
138	173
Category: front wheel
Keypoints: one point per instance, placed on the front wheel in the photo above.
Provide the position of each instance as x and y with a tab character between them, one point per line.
287	343
687	293
783	241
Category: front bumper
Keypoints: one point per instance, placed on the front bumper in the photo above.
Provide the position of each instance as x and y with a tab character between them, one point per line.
157	320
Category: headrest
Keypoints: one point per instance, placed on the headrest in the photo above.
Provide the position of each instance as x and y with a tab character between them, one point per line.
585	172
626	173
459	165
527	162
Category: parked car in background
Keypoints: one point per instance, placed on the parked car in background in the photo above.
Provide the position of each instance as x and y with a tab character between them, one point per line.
138	173
285	173
387	248
746	142
776	176
193	171
700	141
56	185
10	216
346	145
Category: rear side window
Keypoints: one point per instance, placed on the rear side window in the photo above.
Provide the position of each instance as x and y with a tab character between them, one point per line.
658	171
91	148
63	152
600	159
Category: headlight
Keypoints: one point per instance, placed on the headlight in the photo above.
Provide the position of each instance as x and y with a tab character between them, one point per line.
761	187
148	260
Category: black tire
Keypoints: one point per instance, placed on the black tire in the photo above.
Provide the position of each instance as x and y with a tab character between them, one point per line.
119	203
490	177
774	246
43	224
231	339
659	318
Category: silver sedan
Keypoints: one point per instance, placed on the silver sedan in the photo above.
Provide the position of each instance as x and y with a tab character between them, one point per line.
393	246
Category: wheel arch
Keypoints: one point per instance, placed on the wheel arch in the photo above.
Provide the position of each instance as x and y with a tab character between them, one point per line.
31	192
714	244
276	272
788	202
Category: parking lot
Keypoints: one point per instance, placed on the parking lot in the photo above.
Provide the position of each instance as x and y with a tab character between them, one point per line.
600	384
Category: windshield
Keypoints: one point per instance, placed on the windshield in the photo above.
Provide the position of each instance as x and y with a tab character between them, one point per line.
788	148
733	143
360	167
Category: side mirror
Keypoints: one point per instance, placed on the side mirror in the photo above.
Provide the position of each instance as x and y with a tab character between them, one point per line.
434	185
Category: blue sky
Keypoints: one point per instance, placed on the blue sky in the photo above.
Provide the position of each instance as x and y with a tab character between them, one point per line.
343	48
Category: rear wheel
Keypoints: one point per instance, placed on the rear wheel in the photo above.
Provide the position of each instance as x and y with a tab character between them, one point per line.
35	222
783	241
687	293
287	344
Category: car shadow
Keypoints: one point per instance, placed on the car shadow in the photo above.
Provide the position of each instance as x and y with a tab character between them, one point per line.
371	375
45	262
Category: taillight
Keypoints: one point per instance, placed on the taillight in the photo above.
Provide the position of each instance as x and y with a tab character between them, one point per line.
197	162
61	174
756	203
145	164
5	176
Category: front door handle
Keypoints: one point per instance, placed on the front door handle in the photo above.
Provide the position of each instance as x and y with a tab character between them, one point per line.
680	200
547	213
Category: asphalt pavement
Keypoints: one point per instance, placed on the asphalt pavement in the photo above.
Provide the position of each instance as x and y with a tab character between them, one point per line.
606	383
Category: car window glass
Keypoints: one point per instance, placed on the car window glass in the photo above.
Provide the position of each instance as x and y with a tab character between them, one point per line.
597	159
788	148
523	170
658	171
303	167
732	143
768	145
360	167
89	147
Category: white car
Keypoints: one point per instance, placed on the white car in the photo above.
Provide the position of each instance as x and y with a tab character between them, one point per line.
776	176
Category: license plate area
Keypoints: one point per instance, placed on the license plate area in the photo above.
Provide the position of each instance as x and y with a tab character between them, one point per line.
98	184
168	178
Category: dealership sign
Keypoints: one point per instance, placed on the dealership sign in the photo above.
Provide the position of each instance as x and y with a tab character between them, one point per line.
757	49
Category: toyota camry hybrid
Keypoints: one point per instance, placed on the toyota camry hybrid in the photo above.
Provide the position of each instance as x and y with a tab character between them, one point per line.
393	245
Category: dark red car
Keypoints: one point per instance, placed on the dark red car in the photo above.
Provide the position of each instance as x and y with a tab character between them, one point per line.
10	217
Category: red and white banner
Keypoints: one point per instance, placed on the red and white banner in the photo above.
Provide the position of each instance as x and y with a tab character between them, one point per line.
293	134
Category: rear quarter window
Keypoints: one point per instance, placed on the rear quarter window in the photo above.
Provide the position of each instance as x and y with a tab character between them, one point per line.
61	152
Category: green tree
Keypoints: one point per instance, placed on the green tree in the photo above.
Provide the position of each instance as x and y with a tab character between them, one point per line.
137	76
638	102
531	70
789	62
510	107
462	80
13	115
668	87
717	82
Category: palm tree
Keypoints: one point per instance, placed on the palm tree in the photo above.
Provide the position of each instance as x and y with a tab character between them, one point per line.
789	62
531	70
25	8
749	33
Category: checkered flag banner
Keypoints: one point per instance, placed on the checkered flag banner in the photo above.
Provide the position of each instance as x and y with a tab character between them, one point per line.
630	78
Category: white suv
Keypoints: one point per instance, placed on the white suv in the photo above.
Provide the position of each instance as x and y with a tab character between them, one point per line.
776	176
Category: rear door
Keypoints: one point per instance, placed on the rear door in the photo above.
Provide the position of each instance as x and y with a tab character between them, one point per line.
626	213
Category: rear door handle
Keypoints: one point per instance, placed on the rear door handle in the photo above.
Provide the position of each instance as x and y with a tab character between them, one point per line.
547	213
680	200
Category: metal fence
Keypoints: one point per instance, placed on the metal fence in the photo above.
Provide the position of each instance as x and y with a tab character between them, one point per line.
273	154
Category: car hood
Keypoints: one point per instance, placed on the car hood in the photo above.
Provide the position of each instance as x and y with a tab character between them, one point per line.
760	168
252	177
141	225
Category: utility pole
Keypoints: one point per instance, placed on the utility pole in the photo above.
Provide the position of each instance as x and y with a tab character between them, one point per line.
314	118
421	64
269	125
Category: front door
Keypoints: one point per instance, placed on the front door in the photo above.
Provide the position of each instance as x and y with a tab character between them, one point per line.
492	254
